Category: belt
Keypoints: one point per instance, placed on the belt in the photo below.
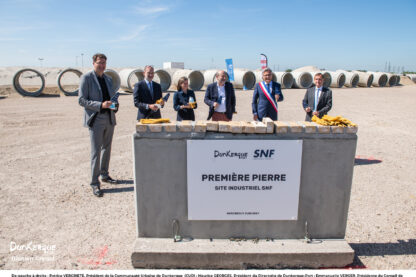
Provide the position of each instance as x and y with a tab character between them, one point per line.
220	112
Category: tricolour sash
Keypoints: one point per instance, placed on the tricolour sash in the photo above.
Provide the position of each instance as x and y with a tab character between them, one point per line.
268	95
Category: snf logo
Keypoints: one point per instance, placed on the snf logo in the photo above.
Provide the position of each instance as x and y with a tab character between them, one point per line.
263	153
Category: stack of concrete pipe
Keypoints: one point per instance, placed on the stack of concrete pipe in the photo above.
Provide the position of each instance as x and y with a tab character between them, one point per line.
351	78
338	79
302	79
365	79
380	79
129	77
195	77
244	79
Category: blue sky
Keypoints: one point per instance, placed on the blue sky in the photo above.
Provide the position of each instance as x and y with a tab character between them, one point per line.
329	34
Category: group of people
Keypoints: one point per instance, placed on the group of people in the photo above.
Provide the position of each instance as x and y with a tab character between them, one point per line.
95	94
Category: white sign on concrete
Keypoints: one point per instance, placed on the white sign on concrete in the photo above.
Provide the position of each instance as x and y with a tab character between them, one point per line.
243	179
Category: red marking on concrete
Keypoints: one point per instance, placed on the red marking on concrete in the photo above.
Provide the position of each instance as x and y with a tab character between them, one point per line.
99	260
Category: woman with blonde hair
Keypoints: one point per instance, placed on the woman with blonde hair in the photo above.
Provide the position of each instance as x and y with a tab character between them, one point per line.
184	101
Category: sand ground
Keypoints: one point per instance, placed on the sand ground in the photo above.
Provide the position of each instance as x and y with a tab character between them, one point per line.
45	197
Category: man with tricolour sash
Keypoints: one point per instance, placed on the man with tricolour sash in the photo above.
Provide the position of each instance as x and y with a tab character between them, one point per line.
265	97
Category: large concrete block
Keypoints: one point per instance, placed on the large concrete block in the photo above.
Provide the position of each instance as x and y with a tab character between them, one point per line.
161	187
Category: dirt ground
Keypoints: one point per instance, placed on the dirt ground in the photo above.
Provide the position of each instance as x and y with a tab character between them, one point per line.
45	197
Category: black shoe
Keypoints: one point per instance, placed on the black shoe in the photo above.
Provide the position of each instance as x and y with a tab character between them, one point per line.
108	179
97	191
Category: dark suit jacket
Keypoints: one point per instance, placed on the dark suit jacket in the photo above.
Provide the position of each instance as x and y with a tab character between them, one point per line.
91	97
179	99
211	96
324	102
261	105
142	98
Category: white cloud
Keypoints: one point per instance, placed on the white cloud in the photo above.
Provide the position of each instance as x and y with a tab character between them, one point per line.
134	35
146	10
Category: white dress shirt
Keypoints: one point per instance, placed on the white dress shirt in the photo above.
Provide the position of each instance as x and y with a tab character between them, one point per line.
221	92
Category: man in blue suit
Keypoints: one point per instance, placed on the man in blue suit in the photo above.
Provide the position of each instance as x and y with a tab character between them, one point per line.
265	97
318	99
145	95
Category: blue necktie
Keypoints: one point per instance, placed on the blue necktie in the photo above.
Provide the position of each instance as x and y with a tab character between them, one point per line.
316	99
151	89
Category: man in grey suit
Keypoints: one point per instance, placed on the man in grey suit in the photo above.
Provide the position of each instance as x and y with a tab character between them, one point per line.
95	92
318	99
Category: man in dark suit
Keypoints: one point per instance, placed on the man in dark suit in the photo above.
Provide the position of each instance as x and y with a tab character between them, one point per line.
94	95
145	95
220	97
318	99
265	97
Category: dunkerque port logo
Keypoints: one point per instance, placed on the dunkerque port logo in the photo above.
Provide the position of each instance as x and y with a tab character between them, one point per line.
33	247
230	154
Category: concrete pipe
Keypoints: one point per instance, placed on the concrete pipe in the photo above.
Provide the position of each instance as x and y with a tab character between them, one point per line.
398	80
327	79
244	79
285	79
302	79
59	80
391	79
380	79
209	76
163	78
338	79
115	78
17	86
129	77
365	79
351	79
195	78
412	77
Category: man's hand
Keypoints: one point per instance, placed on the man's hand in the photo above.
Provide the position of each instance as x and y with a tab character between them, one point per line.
315	113
106	104
186	106
277	97
255	117
308	109
216	105
153	107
